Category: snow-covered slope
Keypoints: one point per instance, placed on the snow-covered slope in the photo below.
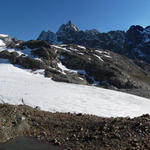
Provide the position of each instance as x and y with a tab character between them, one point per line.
2	43
20	86
4	39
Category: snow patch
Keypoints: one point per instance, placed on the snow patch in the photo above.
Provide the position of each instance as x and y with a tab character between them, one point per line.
98	57
62	48
2	43
4	35
82	47
18	84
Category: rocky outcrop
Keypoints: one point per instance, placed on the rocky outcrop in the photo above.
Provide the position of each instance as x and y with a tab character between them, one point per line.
138	43
49	36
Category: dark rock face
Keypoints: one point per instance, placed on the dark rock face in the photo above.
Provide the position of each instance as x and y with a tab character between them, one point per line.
29	63
135	43
5	54
49	36
33	44
45	53
138	42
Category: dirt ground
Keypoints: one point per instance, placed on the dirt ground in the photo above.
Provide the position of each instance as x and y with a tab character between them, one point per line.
74	131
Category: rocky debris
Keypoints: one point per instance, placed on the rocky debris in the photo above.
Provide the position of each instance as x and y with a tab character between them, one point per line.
74	131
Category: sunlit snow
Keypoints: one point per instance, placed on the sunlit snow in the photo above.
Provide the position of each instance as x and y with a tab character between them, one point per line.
19	85
2	43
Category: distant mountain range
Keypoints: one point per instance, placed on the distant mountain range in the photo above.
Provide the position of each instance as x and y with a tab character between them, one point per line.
135	43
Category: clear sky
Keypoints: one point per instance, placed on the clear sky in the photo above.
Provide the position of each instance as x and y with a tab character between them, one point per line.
25	19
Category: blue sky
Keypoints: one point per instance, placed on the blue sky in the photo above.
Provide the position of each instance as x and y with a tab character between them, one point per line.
25	19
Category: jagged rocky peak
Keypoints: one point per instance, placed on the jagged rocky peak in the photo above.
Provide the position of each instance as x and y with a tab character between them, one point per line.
147	28
48	36
66	30
138	34
5	38
68	27
139	30
136	27
72	26
67	33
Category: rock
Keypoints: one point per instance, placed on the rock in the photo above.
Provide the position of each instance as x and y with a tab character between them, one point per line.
134	43
69	78
49	36
45	53
33	44
30	63
5	54
13	57
49	72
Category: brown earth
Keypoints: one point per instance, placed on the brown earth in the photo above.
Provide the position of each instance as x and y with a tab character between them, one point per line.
74	131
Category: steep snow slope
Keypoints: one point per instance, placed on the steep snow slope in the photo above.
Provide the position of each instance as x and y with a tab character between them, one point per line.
20	86
2	43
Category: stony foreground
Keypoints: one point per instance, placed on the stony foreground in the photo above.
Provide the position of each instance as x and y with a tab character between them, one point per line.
74	131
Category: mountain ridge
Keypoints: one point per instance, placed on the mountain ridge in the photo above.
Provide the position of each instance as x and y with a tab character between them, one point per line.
134	43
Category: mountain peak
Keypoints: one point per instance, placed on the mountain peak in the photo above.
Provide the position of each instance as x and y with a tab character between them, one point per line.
69	22
68	27
4	39
71	25
48	36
